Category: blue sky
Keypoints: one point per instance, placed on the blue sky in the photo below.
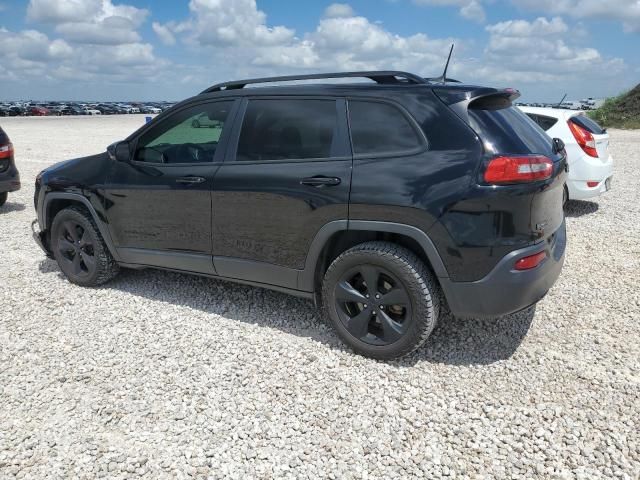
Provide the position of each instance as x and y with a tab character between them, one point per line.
142	49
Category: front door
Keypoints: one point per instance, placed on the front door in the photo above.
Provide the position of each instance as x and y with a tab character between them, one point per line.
159	203
288	175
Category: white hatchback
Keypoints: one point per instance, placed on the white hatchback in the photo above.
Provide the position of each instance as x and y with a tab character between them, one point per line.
587	144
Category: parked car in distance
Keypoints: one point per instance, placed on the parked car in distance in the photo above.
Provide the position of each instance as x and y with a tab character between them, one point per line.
38	111
375	199
587	145
92	111
203	121
9	176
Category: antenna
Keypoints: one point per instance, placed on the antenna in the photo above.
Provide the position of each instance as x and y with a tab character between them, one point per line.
443	78
560	102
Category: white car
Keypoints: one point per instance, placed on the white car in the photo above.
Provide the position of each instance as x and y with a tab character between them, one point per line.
92	111
587	145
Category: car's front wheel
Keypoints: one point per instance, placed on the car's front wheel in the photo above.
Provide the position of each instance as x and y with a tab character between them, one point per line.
381	299
79	249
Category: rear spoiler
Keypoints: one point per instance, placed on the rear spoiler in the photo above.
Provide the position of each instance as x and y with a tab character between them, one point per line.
460	99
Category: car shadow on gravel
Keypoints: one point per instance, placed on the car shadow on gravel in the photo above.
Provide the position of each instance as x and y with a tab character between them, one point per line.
453	342
578	208
12	207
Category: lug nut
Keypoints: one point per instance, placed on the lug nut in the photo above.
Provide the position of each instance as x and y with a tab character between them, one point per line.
377	295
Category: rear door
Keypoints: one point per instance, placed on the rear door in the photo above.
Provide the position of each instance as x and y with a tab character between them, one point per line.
287	176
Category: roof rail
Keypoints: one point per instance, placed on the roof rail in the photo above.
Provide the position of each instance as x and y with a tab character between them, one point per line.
382	77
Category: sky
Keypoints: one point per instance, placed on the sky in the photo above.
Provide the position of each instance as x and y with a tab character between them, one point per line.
173	49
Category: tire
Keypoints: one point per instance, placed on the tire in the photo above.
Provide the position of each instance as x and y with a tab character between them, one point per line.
379	329
79	249
3	198
565	196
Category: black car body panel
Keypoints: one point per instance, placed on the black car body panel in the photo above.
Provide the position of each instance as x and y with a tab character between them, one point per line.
274	222
9	176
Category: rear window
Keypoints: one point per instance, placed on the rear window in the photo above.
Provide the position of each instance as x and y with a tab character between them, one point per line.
543	121
506	129
381	129
588	124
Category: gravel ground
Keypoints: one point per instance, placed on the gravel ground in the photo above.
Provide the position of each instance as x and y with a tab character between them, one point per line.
164	375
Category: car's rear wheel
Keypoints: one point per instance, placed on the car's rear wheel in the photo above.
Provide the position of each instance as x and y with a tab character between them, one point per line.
3	198
79	248
382	299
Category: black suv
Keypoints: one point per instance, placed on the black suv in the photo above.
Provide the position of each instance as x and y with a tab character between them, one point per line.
380	200
9	177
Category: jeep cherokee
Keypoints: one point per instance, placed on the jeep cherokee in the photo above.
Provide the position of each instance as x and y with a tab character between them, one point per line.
382	201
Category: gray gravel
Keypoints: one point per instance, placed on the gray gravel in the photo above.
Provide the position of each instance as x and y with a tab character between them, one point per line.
163	375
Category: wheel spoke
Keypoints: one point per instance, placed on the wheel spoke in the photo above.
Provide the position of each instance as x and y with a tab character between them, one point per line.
370	275
358	326
391	330
347	293
397	296
88	260
85	239
65	245
77	268
70	228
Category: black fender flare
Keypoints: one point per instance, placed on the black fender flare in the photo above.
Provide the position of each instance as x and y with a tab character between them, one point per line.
306	277
76	197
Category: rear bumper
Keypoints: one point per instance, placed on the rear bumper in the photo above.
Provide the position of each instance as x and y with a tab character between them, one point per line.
9	180
589	169
505	290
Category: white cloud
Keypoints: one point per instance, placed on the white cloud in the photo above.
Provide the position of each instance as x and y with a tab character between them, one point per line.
89	21
337	10
626	11
539	51
164	33
522	28
469	9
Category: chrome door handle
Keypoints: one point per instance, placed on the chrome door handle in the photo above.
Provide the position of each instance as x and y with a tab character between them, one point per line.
190	180
320	181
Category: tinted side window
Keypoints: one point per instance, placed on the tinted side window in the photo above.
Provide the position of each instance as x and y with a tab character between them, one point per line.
380	128
288	129
588	124
188	136
508	130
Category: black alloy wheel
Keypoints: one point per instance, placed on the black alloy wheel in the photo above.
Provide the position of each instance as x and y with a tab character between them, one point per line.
373	305
76	249
382	299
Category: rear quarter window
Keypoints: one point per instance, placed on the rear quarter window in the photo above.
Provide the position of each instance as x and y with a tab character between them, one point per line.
505	129
379	128
543	121
588	124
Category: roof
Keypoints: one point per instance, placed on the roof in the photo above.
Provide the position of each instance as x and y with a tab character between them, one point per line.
551	112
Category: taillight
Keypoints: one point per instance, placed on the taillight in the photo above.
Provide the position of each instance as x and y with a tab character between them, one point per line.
584	138
532	261
6	151
518	169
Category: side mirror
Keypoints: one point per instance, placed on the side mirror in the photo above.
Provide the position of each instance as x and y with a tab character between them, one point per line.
119	151
558	145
